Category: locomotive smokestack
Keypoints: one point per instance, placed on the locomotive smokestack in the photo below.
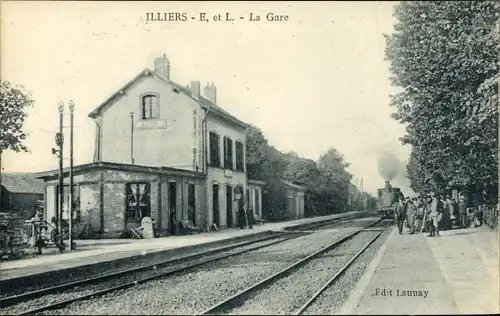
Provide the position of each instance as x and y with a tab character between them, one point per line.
387	185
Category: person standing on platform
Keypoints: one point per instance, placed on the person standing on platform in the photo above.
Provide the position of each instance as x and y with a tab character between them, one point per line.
241	215
400	215
420	215
427	222
172	222
411	213
451	211
446	217
436	214
250	218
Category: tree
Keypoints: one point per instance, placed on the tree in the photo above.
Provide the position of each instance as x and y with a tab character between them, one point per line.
13	104
266	163
327	181
444	57
256	153
302	171
334	181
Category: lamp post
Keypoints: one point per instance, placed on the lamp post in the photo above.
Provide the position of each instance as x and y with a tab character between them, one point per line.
60	142
71	110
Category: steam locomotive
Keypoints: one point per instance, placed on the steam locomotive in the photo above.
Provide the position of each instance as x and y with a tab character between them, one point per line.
387	198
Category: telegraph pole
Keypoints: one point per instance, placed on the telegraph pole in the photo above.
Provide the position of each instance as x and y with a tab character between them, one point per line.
71	109
60	142
132	137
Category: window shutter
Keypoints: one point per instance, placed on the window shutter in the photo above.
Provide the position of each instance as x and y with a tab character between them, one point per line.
230	153
217	151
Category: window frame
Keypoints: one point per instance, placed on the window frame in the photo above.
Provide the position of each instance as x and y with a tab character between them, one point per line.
214	160
240	163
154	110
65	196
228	153
138	209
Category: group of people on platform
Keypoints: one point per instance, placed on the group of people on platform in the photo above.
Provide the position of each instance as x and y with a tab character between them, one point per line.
246	218
433	213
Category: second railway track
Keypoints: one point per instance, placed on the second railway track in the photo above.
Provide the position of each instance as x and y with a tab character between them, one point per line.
282	292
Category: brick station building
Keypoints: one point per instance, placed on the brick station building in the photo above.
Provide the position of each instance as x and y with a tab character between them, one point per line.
112	198
153	129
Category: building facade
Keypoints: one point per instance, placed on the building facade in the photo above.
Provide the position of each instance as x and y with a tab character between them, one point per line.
255	188
295	200
112	198
155	122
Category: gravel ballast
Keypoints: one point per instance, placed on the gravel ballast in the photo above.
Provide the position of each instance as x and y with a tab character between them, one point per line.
204	286
92	288
331	300
154	257
287	294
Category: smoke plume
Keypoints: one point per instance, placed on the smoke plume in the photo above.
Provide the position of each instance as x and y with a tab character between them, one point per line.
389	165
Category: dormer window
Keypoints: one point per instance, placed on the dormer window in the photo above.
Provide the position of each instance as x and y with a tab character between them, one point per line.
149	106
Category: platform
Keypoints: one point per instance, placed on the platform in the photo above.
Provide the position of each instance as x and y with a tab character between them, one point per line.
96	251
456	273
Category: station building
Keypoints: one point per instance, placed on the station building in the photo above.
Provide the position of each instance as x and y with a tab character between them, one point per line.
165	150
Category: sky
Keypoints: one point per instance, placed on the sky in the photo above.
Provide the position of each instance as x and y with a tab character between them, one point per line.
316	81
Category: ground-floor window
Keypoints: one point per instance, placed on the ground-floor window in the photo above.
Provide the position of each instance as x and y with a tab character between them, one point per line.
138	201
192	203
76	202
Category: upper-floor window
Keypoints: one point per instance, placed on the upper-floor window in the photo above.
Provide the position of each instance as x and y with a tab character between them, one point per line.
214	150
239	156
228	153
149	106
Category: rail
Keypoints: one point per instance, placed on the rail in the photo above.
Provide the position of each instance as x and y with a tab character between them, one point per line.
239	297
339	273
280	236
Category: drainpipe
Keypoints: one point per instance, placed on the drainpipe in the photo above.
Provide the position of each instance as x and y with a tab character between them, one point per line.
132	137
205	150
205	147
97	148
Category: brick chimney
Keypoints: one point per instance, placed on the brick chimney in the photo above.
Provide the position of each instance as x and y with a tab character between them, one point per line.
195	89
210	92
162	67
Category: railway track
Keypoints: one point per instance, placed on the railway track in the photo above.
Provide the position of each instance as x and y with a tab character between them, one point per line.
100	285
335	277
225	306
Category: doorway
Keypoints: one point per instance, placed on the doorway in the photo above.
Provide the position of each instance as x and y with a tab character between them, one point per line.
172	203
257	203
229	206
191	203
215	204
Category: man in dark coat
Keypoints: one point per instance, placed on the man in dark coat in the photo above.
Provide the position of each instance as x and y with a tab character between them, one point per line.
172	223
400	215
427	227
250	218
241	215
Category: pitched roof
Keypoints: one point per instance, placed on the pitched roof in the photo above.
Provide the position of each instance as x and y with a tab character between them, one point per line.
22	183
205	103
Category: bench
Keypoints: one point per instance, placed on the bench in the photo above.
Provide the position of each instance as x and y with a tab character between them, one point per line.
187	227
